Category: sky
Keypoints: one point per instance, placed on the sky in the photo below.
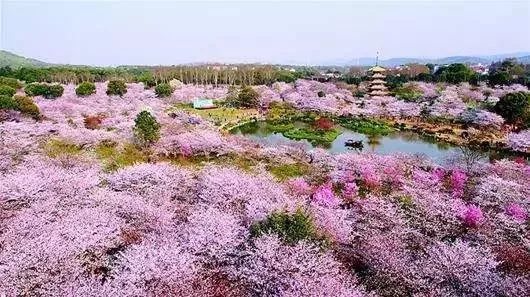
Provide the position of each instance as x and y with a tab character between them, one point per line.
167	33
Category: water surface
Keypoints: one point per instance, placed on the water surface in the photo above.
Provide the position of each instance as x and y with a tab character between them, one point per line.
397	142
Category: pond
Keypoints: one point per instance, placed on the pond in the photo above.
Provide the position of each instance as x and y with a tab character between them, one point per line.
396	142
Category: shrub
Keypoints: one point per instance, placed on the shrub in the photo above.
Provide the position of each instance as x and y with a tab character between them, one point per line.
282	112
85	89
21	103
366	126
408	93
12	82
247	97
175	84
116	87
146	128
7	90
54	91
45	90
92	122
323	124
36	89
314	136
513	259
291	228
163	90
148	80
26	106
512	106
7	102
455	74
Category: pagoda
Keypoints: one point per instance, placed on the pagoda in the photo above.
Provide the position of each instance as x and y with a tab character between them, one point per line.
377	83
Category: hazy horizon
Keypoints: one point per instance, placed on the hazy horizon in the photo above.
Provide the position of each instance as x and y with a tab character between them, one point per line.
165	33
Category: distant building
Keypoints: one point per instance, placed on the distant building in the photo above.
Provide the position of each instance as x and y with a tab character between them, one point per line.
480	68
377	83
203	103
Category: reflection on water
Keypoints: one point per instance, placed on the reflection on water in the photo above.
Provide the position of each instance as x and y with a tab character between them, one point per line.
399	142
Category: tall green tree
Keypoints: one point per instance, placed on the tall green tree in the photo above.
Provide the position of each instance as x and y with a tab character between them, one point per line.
146	128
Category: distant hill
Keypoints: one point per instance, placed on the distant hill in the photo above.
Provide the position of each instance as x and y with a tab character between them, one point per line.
523	57
16	61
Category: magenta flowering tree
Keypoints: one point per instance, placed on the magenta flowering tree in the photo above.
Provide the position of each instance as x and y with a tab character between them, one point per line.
369	176
438	174
324	195
472	216
458	182
517	212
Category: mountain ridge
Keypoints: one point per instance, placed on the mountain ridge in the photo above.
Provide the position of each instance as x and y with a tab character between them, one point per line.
16	61
484	59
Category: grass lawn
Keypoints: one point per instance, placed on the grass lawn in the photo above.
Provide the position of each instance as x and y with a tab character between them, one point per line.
222	115
286	171
114	158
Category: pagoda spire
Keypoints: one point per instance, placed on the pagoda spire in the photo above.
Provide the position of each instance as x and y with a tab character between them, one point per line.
377	83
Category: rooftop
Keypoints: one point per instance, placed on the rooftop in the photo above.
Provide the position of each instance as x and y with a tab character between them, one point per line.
377	69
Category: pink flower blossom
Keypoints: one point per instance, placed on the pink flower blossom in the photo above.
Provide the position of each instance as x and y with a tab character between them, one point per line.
519	141
369	176
299	186
272	268
350	190
460	269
